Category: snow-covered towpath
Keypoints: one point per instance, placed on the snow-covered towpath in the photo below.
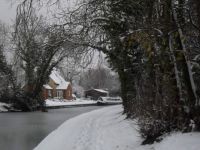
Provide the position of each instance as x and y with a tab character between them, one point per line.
107	129
103	129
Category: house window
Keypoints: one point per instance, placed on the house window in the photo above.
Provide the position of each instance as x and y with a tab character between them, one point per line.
49	93
59	94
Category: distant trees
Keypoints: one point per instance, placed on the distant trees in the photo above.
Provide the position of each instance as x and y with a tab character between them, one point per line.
3	34
73	65
100	78
7	79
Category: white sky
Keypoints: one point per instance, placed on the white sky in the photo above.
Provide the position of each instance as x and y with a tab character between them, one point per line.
7	11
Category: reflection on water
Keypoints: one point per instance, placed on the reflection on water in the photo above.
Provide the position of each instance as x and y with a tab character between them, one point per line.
23	131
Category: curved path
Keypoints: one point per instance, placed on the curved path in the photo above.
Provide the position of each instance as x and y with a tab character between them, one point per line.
103	129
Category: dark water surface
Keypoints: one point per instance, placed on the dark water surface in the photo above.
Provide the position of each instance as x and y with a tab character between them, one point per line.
23	131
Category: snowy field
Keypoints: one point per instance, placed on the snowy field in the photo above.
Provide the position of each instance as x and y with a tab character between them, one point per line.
107	129
57	102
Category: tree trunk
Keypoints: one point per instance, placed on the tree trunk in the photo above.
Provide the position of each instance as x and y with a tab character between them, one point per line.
178	80
186	62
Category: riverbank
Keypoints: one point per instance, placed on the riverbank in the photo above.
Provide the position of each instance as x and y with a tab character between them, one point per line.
55	103
107	129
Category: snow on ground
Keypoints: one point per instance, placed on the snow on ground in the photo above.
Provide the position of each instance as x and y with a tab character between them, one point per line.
2	108
107	129
57	102
103	129
179	141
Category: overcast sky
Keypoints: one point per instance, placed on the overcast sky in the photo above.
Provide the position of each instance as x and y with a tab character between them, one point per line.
7	11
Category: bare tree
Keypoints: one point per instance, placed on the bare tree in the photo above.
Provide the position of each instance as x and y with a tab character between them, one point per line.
78	60
39	47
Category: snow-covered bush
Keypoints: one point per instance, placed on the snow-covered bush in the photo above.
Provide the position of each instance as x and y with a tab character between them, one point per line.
151	130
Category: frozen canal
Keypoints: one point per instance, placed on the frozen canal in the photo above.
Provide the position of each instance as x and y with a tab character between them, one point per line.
23	131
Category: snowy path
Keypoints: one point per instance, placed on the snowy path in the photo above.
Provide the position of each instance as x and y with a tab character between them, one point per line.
107	129
103	129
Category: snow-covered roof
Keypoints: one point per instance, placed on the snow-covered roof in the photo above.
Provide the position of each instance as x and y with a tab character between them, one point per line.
101	90
46	86
58	79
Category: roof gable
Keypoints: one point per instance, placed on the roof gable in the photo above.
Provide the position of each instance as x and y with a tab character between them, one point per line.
98	90
46	86
101	90
59	80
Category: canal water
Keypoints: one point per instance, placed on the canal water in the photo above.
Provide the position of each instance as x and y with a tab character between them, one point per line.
24	131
